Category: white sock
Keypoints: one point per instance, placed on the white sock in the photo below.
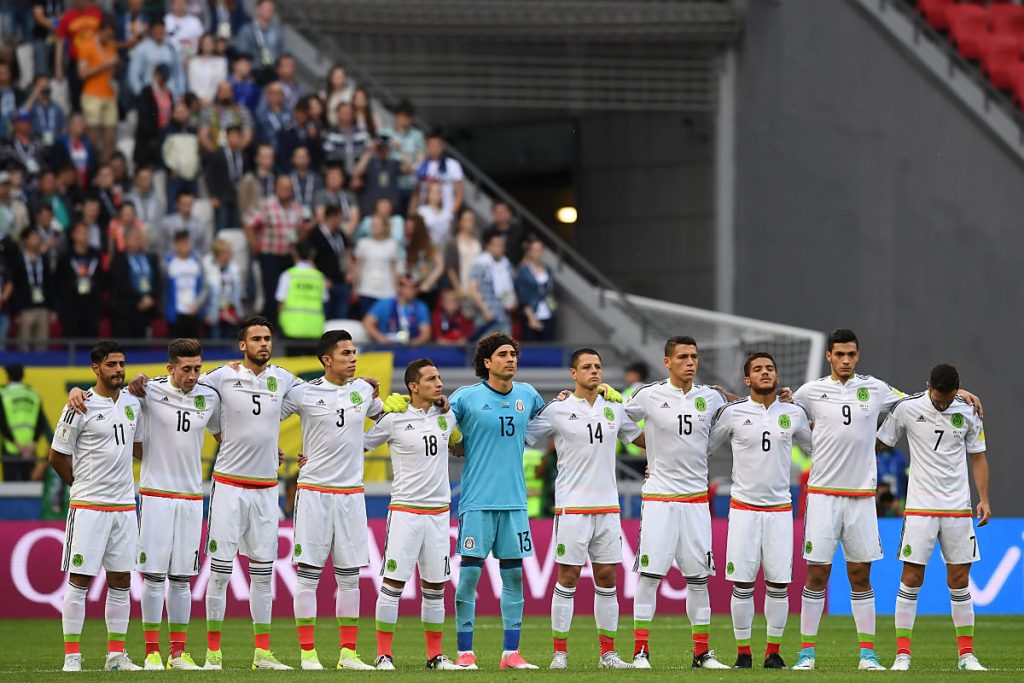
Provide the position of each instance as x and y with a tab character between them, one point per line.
606	611
698	601
179	600
862	604
72	613
432	606
812	605
387	605
261	601
776	610
962	608
742	608
304	602
217	592
645	601
906	612
562	602
346	604
117	611
152	601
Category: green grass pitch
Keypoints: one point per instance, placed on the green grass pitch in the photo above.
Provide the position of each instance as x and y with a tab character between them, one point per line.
32	649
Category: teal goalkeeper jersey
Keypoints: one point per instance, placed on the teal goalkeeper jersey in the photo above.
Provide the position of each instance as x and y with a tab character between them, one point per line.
494	433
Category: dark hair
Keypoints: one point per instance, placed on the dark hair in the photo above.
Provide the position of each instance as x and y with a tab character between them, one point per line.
486	347
436	133
681	339
641	368
142	167
412	370
944	378
332	210
284	56
28	232
181	235
490	236
304	250
405	107
126	203
233	128
15	372
754	356
103	349
253	321
842	335
183	192
239	56
574	359
156	21
183	348
328	340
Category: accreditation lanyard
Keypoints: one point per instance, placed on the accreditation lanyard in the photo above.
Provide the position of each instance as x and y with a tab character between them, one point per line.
34	270
140	267
305	196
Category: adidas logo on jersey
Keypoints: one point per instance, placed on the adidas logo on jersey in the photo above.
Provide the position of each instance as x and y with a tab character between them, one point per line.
747	423
409	428
321	402
665	405
165	399
100	417
237	384
487	406
825	396
920	418
573	416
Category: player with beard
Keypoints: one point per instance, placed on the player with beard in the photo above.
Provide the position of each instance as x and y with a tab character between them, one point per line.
761	430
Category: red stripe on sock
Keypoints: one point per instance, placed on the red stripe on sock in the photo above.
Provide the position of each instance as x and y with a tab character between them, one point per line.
261	641
72	648
965	644
805	646
902	646
152	641
115	646
640	636
743	649
433	643
213	640
305	636
867	644
561	644
607	644
700	644
177	643
771	649
347	636
384	643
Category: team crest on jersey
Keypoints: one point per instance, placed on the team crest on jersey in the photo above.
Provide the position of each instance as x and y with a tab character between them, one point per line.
863	394
213	546
644	560
700	404
560	550
907	551
520	407
272	384
957	420
142	558
392	565
730	568
129	413
469	543
355	397
77	560
808	547
200	402
297	550
442	422
609	414
785	422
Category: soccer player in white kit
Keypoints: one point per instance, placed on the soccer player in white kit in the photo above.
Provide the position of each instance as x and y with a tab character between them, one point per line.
676	517
585	427
93	454
330	509
761	431
942	431
844	408
418	527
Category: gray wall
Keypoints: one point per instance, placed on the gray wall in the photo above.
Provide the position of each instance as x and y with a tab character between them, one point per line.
867	198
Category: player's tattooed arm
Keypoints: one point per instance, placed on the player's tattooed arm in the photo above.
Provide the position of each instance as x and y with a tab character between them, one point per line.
137	387
979	467
62	466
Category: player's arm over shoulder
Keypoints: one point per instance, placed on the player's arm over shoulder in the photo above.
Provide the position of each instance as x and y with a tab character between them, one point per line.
379	433
542	425
892	427
374	404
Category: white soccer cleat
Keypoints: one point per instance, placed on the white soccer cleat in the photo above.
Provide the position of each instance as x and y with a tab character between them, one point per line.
708	660
349	659
183	662
385	663
641	660
805	662
611	660
214	660
442	663
870	662
560	660
902	663
119	661
265	659
153	662
968	662
309	661
72	662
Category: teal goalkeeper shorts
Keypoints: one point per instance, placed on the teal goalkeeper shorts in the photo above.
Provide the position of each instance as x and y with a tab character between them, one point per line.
502	533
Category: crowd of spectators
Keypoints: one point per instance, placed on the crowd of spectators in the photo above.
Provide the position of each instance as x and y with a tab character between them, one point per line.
164	166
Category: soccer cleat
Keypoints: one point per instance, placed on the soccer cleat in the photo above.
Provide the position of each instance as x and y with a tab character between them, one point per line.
968	662
265	659
153	662
642	659
708	660
611	660
309	661
72	662
869	662
385	663
514	660
214	660
805	661
744	660
183	662
560	660
466	660
902	662
441	663
119	661
774	661
348	659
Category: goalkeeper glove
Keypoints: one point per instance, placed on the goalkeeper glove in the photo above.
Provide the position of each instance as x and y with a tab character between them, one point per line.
609	393
396	403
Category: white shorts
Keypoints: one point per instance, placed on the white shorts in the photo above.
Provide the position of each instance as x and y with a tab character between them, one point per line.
578	537
170	536
674	531
97	538
243	521
850	519
330	523
420	540
956	537
759	539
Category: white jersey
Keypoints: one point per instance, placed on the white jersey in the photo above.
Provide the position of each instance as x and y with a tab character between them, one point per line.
418	442
172	429
250	423
100	444
676	430
762	442
845	418
585	442
332	432
939	444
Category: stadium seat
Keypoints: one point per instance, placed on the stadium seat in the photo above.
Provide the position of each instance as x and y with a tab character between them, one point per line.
1017	84
935	12
968	30
1007	18
1002	54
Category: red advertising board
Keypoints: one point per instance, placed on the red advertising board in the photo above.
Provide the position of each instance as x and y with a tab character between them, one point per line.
33	585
